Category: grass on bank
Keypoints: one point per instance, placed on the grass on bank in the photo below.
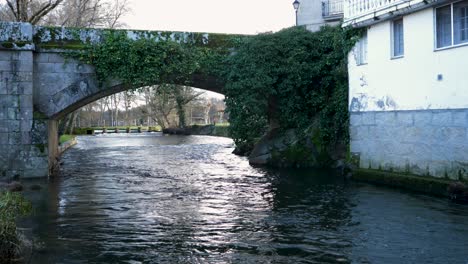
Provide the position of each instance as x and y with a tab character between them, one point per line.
65	138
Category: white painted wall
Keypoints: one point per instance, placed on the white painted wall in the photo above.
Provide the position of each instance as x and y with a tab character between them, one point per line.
310	15
409	83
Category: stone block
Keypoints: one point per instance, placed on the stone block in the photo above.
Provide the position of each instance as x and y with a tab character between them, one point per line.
405	118
460	153
460	118
13	88
12	113
385	132
359	132
26	101
368	118
41	57
421	152
26	138
442	118
355	119
3	83
51	83
359	146
36	163
26	88
69	67
25	56
6	66
14	138
13	125
23	77
5	56
456	135
26	125
385	118
10	101
422	118
413	134
56	58
44	67
26	114
441	153
23	66
3	140
3	113
4	126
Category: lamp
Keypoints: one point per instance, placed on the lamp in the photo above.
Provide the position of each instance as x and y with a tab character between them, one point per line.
296	5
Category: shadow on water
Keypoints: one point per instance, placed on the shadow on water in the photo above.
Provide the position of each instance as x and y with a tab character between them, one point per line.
157	199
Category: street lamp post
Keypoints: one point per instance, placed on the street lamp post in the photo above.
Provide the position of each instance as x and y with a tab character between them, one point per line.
296	7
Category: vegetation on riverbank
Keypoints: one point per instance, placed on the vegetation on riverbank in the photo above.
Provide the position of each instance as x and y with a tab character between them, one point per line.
293	79
12	206
221	130
65	138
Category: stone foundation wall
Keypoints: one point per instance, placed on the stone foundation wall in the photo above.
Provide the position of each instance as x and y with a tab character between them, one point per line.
422	142
21	154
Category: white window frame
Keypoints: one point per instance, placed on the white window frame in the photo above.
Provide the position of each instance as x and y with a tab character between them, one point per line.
362	47
392	39
453	45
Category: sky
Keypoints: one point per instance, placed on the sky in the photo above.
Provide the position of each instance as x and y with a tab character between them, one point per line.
213	16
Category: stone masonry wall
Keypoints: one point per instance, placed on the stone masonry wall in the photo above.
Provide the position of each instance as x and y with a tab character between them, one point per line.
422	142
21	154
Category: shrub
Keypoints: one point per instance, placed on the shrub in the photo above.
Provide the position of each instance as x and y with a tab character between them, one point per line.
12	206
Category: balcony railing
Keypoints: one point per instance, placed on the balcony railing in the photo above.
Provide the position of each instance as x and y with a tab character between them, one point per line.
356	11
332	9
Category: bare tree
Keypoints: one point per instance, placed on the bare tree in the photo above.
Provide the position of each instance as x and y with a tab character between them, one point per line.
71	13
30	11
89	13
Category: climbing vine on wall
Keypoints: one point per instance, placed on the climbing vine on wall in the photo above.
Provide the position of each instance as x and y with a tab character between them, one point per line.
145	61
295	78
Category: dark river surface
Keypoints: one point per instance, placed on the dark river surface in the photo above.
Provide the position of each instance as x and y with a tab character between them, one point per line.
167	199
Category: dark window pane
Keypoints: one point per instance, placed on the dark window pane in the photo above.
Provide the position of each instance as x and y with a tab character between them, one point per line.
460	22
444	26
398	38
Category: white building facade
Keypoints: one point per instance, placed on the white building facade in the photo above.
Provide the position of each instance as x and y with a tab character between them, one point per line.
408	86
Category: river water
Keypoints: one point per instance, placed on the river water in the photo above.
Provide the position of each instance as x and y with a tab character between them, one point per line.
149	198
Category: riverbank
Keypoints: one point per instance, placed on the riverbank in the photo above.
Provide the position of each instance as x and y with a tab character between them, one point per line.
66	142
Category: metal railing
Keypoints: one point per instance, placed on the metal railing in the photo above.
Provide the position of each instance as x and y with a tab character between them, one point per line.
332	8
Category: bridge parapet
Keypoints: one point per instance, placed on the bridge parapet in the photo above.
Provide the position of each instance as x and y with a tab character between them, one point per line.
16	36
21	36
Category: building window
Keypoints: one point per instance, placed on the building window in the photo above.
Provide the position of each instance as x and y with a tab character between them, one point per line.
452	24
398	44
361	50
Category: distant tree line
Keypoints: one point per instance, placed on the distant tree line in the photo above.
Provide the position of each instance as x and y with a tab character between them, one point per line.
163	106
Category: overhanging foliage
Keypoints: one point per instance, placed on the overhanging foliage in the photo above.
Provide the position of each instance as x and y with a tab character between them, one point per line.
295	78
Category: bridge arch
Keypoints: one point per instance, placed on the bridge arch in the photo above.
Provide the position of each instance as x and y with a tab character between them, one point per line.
38	85
64	85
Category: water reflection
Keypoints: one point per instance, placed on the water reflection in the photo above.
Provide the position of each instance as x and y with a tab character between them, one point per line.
157	199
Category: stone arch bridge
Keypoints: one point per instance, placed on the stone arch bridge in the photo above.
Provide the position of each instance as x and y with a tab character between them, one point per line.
38	85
